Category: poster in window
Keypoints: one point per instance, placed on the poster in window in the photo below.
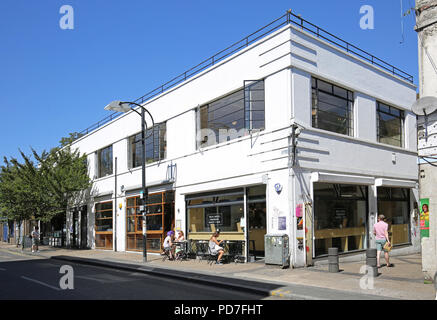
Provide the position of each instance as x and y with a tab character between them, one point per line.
424	218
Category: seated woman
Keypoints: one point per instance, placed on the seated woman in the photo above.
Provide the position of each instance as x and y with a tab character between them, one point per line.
169	246
180	238
214	246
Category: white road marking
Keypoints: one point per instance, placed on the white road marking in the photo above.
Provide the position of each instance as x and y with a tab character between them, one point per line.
2	269
41	283
91	278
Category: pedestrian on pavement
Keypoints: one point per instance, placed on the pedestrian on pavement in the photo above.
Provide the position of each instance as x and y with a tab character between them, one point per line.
214	246
35	239
169	246
380	230
180	239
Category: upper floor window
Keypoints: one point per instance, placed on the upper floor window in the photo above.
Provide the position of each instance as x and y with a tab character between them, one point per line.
390	122
104	161
332	107
156	145
232	116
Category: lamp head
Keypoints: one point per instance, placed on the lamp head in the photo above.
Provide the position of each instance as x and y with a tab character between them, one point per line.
118	106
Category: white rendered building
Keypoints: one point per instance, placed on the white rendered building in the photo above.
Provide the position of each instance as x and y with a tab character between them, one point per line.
222	156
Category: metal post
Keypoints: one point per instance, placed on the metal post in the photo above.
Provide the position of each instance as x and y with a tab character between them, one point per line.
143	178
371	261
333	259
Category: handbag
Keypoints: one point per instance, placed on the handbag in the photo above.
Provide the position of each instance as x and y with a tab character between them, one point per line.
387	247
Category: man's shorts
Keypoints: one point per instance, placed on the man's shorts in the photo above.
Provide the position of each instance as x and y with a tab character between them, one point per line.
34	242
380	244
167	248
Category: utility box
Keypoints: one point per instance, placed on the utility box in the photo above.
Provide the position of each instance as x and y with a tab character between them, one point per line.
277	250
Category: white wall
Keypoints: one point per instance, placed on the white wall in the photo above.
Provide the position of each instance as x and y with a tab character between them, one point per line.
286	59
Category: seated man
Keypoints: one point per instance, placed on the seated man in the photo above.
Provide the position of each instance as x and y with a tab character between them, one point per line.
214	246
169	246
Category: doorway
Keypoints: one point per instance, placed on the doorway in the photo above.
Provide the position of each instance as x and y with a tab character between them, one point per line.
257	224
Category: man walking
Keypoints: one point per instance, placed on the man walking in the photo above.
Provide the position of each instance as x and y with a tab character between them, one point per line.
380	230
35	239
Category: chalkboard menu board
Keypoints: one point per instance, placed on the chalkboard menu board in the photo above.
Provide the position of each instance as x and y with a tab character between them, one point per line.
214	218
219	216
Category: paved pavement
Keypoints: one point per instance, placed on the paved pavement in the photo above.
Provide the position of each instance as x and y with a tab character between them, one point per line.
403	281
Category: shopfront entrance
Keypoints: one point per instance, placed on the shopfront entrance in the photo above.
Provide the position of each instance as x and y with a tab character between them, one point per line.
394	204
79	238
340	217
256	209
160	220
239	213
103	227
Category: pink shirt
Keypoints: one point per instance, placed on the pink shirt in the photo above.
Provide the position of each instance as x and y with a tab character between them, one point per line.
379	229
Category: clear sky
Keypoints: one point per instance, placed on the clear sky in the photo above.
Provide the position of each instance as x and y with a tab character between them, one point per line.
57	81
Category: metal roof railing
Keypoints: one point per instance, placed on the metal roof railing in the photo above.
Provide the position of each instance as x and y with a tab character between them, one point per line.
286	19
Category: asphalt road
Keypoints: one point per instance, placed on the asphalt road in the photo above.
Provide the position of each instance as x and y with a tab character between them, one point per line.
24	277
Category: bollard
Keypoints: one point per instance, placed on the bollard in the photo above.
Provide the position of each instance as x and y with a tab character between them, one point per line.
333	259
371	261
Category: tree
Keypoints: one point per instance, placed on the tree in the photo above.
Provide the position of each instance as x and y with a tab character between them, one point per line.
29	191
68	140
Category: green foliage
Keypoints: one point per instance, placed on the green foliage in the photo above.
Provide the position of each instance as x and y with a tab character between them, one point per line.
59	181
65	141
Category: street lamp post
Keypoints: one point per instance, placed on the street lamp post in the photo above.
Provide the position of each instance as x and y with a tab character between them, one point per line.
125	107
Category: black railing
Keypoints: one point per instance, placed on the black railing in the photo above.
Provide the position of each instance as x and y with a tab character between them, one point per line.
287	18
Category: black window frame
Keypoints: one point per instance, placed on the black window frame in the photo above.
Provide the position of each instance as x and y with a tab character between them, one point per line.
392	112
245	99
100	164
155	141
315	99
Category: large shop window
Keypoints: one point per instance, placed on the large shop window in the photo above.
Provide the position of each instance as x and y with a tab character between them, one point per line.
394	204
232	116
332	107
104	161
340	217
211	211
156	145
160	219
390	123
104	225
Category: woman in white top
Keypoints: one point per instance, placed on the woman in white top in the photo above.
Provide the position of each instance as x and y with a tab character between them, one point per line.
168	244
180	238
214	246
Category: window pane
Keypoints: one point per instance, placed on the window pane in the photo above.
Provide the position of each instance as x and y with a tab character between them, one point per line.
154	222
155	145
390	129
322	85
340	213
393	203
225	118
104	161
103	224
332	112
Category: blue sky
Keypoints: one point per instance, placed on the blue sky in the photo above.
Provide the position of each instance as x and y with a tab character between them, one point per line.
57	81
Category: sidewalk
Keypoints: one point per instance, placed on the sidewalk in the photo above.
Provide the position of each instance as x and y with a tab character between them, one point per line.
403	281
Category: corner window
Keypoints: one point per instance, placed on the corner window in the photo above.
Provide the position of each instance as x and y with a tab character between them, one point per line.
390	123
104	161
156	146
232	116
332	107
